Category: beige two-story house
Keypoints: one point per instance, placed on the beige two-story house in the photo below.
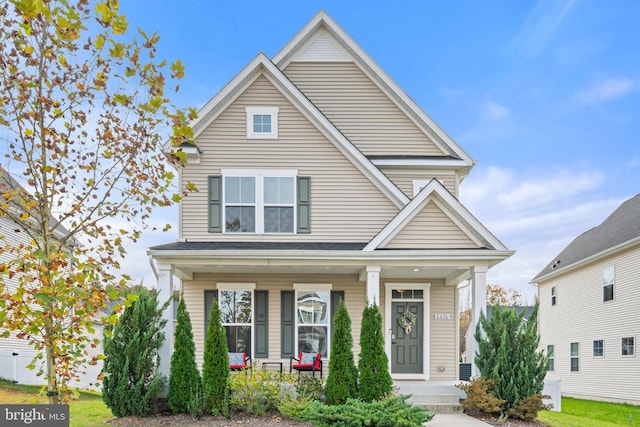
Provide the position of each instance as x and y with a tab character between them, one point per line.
589	320
320	179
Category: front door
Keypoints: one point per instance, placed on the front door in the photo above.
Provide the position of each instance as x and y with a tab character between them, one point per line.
407	343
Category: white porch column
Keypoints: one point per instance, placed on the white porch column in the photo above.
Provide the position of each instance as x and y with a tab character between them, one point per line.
478	305
165	291
373	284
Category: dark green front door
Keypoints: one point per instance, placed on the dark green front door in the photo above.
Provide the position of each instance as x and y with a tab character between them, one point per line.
407	346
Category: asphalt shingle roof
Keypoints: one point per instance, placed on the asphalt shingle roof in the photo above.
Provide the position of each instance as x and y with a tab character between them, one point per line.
621	226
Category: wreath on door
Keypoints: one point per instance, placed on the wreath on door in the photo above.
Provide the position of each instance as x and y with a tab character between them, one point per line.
407	320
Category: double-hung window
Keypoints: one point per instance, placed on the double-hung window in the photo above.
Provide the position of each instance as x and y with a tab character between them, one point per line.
259	201
598	348
553	295
236	315
628	346
575	357
313	318
608	278
552	358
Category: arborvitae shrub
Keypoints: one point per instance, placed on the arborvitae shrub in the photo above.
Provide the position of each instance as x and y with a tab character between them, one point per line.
374	380
508	354
132	382
184	379
215	370
343	375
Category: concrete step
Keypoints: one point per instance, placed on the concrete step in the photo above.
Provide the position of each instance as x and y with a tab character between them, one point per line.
438	403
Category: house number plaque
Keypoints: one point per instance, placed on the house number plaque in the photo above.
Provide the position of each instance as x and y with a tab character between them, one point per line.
442	316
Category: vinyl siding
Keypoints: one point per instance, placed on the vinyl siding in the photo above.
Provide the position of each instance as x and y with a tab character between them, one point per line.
443	333
194	300
431	228
361	111
404	180
336	215
11	238
580	315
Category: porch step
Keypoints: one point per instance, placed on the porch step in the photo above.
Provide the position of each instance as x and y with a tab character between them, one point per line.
438	403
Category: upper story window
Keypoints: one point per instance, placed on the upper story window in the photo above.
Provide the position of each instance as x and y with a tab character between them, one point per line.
553	295
608	278
598	348
262	122
259	201
628	346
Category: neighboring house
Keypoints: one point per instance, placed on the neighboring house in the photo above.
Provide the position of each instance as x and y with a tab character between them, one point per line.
589	319
320	179
16	353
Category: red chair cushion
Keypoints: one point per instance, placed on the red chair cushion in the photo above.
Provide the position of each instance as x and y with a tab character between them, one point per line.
307	361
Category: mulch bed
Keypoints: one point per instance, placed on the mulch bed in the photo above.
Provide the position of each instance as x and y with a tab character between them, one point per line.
495	420
271	419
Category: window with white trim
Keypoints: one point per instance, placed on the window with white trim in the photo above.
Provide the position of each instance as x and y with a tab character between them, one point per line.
236	315
259	201
553	295
575	357
628	346
608	279
598	348
262	122
552	358
313	318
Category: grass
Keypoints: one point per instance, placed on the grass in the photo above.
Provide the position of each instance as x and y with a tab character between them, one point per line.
589	413
88	410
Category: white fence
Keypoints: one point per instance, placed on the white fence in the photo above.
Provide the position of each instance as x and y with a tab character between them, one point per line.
553	389
13	367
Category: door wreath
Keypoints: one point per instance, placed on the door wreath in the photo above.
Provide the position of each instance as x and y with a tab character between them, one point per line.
406	321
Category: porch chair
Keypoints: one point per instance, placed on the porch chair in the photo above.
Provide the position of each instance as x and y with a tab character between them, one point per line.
306	362
239	361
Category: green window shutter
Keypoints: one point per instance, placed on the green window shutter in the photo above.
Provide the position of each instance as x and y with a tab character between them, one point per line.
336	296
304	204
209	298
287	324
215	204
261	349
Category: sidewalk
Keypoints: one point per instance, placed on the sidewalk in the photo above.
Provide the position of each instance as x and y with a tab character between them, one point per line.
455	420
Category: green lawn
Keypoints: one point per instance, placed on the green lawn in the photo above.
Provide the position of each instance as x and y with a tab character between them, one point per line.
87	411
589	413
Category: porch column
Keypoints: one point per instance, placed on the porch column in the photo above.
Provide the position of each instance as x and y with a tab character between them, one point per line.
478	305
373	284
165	291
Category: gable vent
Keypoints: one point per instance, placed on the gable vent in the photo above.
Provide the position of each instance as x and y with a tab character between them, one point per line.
321	48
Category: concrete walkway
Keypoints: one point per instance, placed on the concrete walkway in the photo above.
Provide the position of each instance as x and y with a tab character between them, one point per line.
455	420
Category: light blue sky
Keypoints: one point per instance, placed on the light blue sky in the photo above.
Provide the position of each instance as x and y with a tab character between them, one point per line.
544	95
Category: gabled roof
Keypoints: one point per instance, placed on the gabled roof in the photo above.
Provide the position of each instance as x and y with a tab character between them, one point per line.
620	230
434	190
262	66
322	23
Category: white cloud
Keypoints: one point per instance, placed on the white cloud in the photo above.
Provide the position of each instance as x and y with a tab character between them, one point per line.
496	111
541	25
605	90
537	216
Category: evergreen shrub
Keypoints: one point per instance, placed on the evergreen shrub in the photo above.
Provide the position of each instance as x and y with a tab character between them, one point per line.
184	378
343	375
215	369
374	379
132	383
